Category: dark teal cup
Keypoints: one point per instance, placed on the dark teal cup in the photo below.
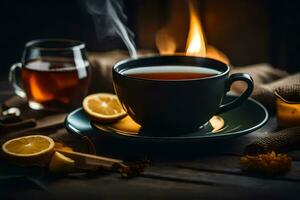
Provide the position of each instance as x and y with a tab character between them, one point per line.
173	107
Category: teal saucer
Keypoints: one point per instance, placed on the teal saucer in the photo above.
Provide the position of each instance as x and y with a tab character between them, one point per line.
240	121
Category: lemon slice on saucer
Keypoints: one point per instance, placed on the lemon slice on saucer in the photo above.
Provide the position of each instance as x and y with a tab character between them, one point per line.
29	146
103	107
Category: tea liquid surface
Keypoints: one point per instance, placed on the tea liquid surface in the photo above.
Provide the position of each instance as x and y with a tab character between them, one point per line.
55	81
170	72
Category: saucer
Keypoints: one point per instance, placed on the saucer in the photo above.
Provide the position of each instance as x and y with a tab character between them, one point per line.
248	117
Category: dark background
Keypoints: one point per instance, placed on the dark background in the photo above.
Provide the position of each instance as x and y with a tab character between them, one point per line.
247	31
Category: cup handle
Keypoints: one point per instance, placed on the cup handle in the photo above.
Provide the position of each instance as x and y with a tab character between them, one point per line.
14	79
237	102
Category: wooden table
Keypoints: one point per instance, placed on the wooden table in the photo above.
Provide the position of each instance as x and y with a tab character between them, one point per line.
208	171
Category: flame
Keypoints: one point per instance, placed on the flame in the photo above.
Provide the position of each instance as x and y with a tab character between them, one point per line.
195	41
165	43
213	52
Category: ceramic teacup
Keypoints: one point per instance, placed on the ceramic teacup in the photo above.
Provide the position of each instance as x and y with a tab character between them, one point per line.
171	95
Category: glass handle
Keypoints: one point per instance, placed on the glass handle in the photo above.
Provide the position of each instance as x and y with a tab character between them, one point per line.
15	79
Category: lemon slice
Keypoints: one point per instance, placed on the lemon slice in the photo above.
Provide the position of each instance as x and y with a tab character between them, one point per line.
103	107
28	146
61	164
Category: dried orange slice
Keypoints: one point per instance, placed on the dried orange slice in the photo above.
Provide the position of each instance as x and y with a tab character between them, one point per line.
28	146
103	107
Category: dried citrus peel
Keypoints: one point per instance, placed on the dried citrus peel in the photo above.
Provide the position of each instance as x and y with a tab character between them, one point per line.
268	163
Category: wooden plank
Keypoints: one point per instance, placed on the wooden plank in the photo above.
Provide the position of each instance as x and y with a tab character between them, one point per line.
111	186
230	165
215	178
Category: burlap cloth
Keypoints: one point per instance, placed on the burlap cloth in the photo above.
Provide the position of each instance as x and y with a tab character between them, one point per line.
280	141
266	80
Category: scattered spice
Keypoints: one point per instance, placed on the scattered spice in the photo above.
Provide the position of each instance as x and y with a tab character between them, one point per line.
133	169
267	163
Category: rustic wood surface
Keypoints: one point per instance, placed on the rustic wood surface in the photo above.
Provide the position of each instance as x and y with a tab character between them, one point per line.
209	171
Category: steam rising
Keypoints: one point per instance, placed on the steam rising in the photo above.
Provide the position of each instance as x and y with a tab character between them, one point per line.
109	20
